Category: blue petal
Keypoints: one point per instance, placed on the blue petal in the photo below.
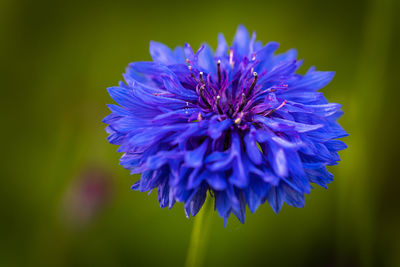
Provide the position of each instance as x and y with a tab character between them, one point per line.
241	42
217	181
169	79
314	80
156	161
119	110
240	211
206	60
269	177
335	145
265	56
319	176
251	147
173	85
163	194
179	55
121	96
195	201
222	203
216	128
284	143
111	118
299	127
180	115
280	163
289	55
255	193
161	53
324	110
277	124
222	48
219	161
194	158
136	185
275	198
292	197
194	179
239	176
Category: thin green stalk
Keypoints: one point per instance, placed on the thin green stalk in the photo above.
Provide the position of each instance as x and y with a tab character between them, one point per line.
199	236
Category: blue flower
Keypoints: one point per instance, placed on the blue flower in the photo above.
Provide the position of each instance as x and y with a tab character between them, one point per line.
238	123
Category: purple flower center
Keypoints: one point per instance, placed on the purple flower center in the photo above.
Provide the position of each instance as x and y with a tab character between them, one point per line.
232	97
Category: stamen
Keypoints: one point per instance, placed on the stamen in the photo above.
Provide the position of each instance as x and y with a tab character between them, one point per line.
239	119
191	73
281	105
242	102
201	78
231	57
164	93
275	109
199	117
253	84
218	104
203	97
219	73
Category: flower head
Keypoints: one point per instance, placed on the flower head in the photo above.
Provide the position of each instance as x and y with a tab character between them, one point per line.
239	123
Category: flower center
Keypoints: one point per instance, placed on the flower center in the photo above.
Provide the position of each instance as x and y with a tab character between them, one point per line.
228	97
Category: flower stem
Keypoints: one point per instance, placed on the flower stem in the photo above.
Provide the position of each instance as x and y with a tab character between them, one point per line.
199	236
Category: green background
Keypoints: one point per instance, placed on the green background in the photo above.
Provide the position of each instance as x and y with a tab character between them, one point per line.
65	201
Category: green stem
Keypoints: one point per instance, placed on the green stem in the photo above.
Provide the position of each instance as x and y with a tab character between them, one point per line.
199	236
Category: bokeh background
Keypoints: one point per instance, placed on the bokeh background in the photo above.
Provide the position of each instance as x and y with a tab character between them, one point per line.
65	201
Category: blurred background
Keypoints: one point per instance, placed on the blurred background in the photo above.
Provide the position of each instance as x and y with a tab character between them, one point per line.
65	201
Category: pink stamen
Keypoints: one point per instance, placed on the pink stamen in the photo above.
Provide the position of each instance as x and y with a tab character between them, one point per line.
275	109
231	57
165	93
